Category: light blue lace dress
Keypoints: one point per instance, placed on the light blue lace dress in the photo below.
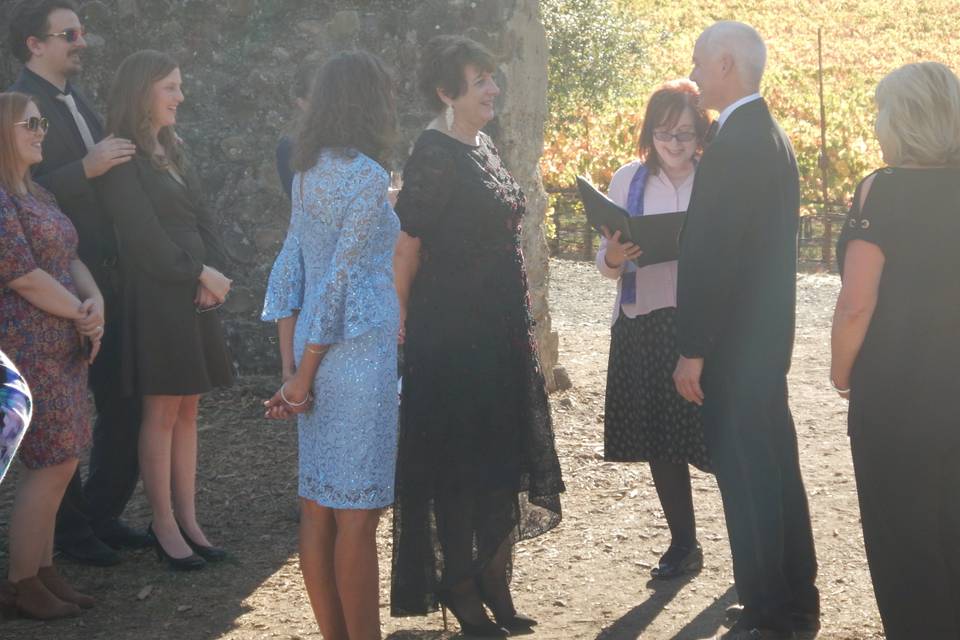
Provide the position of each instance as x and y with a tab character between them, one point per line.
336	267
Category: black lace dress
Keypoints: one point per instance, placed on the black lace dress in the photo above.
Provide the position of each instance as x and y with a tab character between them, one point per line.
476	464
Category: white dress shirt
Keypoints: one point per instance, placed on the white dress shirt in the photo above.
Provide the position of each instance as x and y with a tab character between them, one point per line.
656	283
733	107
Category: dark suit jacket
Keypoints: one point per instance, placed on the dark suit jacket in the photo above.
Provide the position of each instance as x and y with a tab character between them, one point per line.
61	172
736	291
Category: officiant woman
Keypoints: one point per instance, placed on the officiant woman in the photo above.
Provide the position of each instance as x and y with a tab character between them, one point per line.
645	419
477	469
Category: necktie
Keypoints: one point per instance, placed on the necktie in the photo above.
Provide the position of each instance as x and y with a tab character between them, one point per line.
67	99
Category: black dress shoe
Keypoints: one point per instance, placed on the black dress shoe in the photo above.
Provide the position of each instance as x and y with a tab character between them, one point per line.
119	535
210	554
192	562
806	626
679	560
90	550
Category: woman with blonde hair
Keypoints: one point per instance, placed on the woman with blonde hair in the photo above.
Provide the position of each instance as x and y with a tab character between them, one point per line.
896	345
173	349
51	323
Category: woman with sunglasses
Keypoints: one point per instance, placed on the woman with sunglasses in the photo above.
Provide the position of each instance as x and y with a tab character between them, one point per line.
51	323
173	348
644	417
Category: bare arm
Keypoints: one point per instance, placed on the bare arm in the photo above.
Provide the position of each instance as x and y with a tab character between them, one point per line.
862	268
285	329
43	291
406	263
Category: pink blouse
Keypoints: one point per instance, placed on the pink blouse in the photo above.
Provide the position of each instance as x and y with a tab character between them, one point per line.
656	283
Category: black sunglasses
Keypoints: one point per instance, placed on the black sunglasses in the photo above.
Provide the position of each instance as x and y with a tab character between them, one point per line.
34	124
71	35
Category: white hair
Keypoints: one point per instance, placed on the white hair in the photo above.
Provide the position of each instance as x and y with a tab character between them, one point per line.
743	44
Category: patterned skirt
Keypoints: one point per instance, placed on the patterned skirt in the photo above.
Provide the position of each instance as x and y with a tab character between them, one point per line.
644	417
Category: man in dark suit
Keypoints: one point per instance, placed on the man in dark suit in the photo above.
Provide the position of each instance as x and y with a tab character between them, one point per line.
46	35
736	303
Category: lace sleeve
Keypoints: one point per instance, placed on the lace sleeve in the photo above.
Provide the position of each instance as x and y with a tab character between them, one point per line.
285	286
346	306
427	184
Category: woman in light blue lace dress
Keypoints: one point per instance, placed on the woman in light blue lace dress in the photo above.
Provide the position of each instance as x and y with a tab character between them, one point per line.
331	292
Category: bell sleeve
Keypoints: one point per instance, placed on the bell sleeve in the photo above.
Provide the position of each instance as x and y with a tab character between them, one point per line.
347	302
285	287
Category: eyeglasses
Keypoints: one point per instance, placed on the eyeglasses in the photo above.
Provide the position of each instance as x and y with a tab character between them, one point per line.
34	124
70	35
683	136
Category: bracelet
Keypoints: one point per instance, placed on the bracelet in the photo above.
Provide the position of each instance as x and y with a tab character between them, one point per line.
317	352
838	389
293	404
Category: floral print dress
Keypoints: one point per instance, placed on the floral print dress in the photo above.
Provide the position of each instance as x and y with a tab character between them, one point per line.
35	234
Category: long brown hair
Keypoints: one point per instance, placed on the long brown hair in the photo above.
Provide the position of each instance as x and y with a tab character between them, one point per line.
12	108
351	106
128	111
664	109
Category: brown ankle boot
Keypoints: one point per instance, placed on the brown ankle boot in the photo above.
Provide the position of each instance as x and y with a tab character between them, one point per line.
35	601
8	600
59	587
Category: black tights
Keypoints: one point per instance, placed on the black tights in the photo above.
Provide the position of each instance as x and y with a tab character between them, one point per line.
676	497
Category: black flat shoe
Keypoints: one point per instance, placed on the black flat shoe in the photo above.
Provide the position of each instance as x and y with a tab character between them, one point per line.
485	628
678	561
90	550
191	563
119	535
210	554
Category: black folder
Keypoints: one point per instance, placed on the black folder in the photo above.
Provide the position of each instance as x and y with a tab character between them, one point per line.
658	235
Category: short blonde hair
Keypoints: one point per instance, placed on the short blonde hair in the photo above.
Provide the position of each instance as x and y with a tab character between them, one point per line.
918	115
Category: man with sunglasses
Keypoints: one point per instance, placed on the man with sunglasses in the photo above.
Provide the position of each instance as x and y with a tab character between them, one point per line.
48	38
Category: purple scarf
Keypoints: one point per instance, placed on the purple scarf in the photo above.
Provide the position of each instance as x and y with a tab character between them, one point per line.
628	281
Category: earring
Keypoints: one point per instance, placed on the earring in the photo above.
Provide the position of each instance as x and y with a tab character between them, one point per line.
448	116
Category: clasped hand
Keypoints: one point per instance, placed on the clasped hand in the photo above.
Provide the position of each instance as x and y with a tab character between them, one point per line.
292	398
89	324
617	253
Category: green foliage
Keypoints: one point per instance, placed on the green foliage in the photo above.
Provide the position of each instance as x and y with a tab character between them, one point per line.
595	46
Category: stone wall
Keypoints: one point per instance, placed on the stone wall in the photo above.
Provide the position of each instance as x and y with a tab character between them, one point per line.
238	57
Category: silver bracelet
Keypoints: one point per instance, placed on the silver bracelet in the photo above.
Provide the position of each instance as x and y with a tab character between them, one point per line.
293	404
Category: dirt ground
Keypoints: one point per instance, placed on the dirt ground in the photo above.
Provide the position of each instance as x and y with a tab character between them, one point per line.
588	579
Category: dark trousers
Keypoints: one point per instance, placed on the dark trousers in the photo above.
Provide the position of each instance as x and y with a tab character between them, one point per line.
114	469
752	442
908	482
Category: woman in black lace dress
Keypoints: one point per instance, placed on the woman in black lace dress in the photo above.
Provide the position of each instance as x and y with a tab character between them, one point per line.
477	469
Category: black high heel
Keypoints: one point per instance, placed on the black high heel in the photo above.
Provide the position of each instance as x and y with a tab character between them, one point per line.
484	629
511	621
210	554
191	563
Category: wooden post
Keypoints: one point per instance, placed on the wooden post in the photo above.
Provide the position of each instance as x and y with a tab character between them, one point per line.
827	247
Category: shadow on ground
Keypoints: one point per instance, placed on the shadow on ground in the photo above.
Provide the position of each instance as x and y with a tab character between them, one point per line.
631	625
246	502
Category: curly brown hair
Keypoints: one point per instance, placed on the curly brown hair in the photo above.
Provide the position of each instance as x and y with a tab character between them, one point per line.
352	106
442	66
665	107
128	107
